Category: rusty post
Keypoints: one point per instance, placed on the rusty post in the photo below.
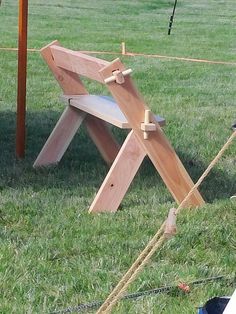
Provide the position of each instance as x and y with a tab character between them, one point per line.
21	85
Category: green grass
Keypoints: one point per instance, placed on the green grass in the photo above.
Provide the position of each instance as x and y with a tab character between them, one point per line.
53	253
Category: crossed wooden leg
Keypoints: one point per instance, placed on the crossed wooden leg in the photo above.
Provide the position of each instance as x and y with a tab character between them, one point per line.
65	130
60	137
120	176
124	168
100	134
155	145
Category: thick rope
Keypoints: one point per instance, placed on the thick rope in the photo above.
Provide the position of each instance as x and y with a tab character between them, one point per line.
155	243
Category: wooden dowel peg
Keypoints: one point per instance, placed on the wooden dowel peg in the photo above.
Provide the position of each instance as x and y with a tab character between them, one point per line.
147	116
147	126
118	76
146	121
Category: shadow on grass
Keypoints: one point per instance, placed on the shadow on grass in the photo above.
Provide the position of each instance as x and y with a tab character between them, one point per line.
82	164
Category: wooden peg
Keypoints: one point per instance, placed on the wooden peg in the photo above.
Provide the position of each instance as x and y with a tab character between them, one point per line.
146	121
123	49
170	226
118	76
147	126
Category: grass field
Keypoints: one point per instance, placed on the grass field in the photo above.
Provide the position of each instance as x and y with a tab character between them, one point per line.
53	253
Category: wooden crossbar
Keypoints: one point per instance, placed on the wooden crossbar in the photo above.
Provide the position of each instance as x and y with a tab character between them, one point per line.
78	62
127	111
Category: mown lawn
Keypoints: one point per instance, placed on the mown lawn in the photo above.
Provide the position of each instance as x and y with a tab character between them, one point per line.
53	253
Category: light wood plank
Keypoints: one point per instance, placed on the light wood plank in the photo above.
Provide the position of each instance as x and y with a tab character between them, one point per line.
60	138
120	176
103	108
156	146
69	82
78	62
102	137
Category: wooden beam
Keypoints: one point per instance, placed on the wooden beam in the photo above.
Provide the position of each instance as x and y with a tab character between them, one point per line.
157	146
21	83
69	81
100	133
78	62
60	138
120	176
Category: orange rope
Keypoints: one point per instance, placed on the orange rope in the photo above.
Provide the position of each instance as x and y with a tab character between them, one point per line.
181	58
134	54
16	49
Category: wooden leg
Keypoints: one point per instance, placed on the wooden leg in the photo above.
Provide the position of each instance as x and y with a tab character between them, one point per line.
172	171
102	137
60	137
157	145
120	176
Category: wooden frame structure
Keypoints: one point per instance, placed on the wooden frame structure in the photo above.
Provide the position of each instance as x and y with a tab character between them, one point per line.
130	111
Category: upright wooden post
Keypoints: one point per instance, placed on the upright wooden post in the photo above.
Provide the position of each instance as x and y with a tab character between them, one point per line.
21	85
123	49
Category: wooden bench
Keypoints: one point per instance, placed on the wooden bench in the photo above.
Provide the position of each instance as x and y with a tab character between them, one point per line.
127	111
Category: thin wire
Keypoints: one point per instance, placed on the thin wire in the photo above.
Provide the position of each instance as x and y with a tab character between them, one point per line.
165	289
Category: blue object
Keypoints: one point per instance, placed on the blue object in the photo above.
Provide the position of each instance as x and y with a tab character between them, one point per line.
214	306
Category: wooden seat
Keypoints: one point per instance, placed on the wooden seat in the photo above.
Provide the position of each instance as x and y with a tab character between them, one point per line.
127	111
104	108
